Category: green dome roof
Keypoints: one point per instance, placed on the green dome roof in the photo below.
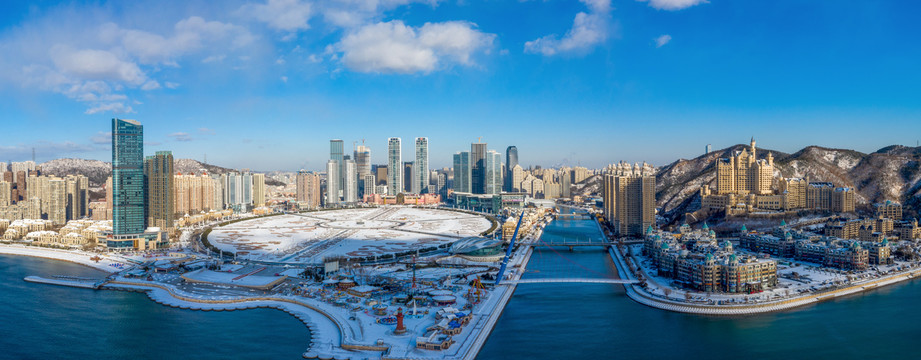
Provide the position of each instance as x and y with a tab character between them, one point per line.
664	246
744	229
783	223
706	226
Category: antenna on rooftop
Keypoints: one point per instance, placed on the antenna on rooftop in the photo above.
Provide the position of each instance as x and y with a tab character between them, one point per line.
33	154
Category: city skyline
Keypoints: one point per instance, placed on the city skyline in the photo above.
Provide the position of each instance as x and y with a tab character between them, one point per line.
639	68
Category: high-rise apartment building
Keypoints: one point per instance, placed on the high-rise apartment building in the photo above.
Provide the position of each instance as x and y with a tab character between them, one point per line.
238	191
332	185
161	204
258	190
194	194
462	172
129	203
6	191
369	180
421	166
363	165
394	166
56	194
380	174
478	168
308	189
517	178
18	168
511	160
350	185
336	152
77	196
629	198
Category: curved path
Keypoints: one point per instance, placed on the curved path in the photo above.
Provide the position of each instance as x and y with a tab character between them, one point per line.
330	335
640	295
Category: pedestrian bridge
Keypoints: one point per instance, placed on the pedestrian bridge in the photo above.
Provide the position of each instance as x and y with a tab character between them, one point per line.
569	280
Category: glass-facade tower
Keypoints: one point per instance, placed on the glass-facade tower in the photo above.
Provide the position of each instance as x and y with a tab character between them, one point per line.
462	172
478	168
128	185
336	152
511	159
394	166
421	166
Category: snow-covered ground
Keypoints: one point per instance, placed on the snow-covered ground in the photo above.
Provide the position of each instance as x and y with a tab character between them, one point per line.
796	278
107	263
310	237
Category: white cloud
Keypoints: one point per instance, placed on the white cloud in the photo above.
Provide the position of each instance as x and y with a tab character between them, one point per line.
117	107
92	64
214	58
284	15
284	79
672	5
189	35
393	47
150	85
662	40
206	131
598	5
67	52
355	13
171	85
102	138
588	30
180	136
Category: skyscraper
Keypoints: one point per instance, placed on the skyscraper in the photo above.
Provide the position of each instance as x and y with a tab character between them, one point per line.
478	168
408	176
308	189
629	195
511	159
332	183
158	169
369	181
128	196
394	166
336	152
421	166
363	165
350	186
493	173
462	172
258	190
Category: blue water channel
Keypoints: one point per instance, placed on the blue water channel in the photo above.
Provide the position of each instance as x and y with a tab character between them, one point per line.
598	321
542	321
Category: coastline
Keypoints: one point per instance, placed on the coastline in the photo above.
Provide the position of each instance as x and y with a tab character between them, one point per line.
639	295
72	256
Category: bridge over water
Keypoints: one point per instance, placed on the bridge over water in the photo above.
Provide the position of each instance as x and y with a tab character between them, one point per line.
569	280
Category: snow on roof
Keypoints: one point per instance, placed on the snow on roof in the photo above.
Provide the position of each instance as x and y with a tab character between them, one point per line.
217	277
363	288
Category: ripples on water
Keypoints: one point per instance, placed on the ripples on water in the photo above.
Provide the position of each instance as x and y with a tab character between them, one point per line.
40	321
598	321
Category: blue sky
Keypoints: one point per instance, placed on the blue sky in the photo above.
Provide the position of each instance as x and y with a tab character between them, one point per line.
265	84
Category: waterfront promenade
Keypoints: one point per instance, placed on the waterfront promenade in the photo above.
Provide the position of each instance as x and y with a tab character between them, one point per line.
640	295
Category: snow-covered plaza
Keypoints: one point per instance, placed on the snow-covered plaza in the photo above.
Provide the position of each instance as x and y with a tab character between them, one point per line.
355	233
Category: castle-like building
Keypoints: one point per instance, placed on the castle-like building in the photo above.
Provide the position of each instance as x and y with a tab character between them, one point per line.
746	184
